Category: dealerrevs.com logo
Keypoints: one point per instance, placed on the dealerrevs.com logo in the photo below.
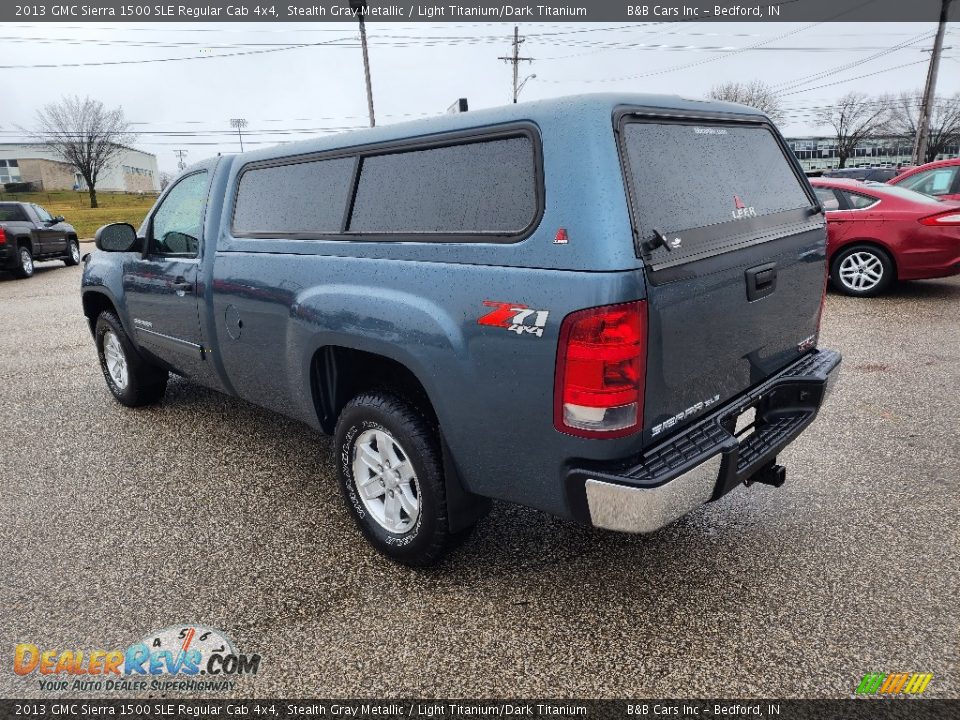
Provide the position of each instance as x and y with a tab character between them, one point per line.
177	658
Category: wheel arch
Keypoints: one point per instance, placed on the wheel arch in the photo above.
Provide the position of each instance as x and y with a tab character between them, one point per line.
339	373
96	302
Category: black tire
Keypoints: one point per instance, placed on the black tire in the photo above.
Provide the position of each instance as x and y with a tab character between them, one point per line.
24	267
428	538
874	259
145	383
73	253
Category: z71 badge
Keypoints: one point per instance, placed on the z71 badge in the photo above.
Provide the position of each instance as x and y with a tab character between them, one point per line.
515	317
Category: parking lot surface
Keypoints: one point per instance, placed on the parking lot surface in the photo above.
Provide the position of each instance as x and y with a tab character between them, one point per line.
205	509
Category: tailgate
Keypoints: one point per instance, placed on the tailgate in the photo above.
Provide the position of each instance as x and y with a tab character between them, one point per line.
734	249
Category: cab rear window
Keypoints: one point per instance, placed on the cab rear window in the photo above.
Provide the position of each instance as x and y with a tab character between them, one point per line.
732	180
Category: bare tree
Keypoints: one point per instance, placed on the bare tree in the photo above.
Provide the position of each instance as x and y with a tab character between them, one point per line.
755	94
855	118
944	130
85	134
165	179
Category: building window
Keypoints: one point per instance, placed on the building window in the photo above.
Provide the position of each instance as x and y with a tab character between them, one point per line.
9	171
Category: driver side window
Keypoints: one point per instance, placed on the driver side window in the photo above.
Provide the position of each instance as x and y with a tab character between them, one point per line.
178	222
42	214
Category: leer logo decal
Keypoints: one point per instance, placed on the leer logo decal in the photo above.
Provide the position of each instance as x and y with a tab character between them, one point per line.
515	317
740	210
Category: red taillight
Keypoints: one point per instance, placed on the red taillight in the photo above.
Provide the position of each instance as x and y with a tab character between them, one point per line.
950	217
601	370
3	236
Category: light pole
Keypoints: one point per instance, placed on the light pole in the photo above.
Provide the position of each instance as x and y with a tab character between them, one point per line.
239	124
926	108
359	7
524	82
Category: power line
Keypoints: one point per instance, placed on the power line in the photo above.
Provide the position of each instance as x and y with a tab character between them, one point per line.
793	84
687	66
162	60
858	77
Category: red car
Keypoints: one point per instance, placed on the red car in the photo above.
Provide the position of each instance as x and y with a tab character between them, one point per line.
880	233
940	179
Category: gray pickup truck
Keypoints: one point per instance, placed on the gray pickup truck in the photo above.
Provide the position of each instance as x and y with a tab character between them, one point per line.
29	233
605	307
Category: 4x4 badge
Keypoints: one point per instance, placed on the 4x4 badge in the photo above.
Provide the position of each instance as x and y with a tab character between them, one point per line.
515	317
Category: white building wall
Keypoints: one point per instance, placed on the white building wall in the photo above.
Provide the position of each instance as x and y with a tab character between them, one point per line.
133	170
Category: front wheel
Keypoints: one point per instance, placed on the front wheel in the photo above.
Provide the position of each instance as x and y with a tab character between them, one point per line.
24	268
129	377
862	271
73	253
391	478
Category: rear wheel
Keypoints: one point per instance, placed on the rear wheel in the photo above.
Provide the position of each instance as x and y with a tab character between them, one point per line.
73	253
862	271
25	266
131	379
391	478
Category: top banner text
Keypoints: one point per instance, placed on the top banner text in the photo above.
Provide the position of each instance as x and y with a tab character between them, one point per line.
100	11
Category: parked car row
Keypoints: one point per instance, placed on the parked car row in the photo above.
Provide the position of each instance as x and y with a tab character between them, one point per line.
877	174
940	179
879	233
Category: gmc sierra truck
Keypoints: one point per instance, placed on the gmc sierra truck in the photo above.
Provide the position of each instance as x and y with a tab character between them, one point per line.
605	307
29	233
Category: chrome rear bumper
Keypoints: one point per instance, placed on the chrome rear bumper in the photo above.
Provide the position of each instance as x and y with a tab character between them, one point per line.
705	461
642	510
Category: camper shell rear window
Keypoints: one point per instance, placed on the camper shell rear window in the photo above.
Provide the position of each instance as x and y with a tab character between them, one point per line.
706	187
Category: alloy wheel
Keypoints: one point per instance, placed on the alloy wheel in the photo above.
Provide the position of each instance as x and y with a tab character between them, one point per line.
861	271
386	481
115	358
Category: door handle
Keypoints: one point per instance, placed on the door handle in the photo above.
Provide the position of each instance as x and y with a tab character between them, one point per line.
182	286
761	281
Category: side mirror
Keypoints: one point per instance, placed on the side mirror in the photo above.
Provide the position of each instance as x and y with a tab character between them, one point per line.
117	237
59	219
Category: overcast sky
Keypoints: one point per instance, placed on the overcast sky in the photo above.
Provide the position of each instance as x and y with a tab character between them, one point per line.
251	71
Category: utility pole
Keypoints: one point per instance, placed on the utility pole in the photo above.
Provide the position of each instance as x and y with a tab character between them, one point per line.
516	60
359	7
181	163
929	93
239	124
